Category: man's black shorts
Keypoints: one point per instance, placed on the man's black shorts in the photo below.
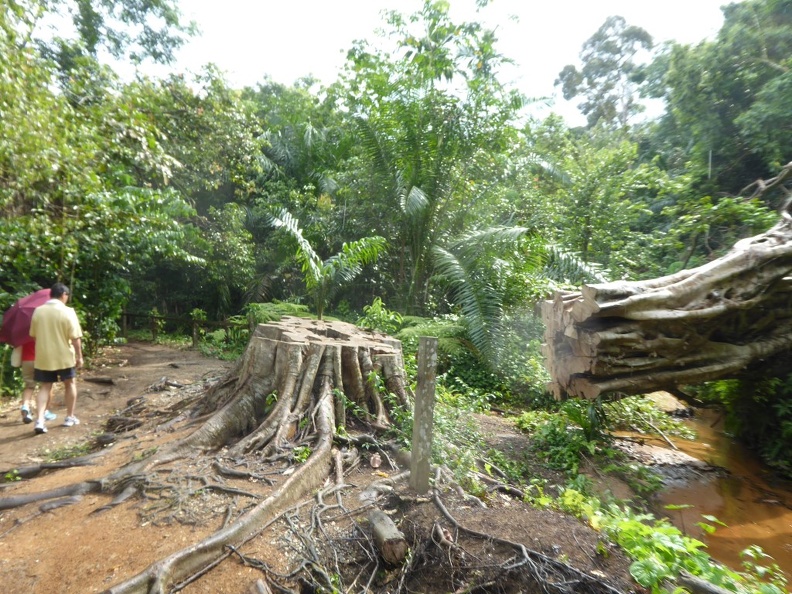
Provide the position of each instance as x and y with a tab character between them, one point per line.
50	377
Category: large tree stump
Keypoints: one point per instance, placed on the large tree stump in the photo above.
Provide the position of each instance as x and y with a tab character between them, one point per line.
263	399
287	388
717	321
290	388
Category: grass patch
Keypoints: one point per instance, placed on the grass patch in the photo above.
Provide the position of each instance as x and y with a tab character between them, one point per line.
68	451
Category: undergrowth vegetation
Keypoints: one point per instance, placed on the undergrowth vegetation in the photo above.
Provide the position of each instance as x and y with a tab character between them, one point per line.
564	437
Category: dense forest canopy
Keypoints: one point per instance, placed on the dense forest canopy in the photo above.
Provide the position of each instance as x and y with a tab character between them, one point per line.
416	179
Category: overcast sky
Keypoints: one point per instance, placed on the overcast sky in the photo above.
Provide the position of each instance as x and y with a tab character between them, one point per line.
288	39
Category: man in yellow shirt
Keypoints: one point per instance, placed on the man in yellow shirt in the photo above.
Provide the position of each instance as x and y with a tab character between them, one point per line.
58	352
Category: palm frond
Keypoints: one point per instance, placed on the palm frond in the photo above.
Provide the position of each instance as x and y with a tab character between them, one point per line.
478	301
306	256
372	145
481	240
278	149
338	272
346	265
325	182
562	265
538	164
413	201
469	266
311	135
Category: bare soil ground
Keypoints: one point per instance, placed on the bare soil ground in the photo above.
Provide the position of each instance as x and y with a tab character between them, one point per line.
83	548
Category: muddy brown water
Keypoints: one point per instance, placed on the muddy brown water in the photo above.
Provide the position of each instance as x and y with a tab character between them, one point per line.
755	506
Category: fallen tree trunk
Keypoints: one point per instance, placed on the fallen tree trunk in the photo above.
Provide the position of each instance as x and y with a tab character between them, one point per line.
720	320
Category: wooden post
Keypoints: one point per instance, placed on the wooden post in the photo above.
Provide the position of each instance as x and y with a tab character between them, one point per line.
195	334
423	415
154	329
124	323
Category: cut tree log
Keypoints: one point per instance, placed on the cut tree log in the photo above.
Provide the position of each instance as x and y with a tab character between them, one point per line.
721	320
390	541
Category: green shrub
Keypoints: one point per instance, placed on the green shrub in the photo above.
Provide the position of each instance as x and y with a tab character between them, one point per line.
638	413
555	440
377	317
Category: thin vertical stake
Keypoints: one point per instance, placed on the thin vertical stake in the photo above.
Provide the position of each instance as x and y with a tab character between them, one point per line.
423	415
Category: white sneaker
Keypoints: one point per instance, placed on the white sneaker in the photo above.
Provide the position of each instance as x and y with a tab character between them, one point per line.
71	421
26	416
39	428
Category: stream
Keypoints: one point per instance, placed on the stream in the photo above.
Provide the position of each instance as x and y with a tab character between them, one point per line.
756	508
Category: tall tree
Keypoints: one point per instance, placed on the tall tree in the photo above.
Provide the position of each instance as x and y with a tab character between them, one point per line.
426	114
69	206
208	131
128	30
303	137
726	99
608	81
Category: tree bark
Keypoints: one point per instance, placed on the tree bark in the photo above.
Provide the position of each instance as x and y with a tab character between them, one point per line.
720	320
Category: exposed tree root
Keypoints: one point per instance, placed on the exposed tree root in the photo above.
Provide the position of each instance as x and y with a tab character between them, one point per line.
26	472
77	489
553	575
354	557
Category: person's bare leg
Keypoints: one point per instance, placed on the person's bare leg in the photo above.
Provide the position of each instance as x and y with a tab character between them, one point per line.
41	401
70	396
27	398
28	402
29	392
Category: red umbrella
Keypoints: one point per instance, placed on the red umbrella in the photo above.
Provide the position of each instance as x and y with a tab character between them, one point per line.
16	321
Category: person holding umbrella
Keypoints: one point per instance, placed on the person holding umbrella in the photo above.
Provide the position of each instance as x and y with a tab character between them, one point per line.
58	353
15	330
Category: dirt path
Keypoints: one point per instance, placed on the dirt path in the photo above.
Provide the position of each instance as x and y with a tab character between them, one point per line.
133	369
73	550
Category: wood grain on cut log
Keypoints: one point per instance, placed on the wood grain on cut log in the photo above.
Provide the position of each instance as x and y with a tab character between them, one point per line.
716	321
